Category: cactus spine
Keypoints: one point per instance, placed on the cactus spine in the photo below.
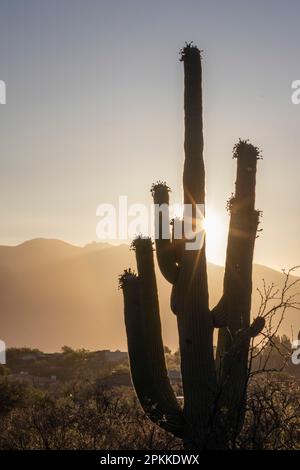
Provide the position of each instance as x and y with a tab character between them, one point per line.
214	391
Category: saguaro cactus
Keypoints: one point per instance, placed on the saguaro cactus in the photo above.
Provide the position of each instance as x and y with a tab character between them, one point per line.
214	390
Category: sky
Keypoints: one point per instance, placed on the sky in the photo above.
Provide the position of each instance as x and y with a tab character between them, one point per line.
95	110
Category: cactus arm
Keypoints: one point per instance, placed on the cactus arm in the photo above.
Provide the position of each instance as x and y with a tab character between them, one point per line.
220	314
178	241
235	304
136	349
164	249
152	324
145	346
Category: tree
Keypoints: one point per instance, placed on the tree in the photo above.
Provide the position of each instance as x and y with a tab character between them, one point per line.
12	395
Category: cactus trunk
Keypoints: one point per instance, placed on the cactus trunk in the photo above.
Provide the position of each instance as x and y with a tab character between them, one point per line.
195	326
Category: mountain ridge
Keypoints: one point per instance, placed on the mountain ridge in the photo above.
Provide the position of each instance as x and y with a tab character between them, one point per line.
54	293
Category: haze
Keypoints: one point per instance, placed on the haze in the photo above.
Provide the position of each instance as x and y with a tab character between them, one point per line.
95	110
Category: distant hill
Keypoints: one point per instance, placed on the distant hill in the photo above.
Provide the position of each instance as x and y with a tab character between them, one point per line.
53	293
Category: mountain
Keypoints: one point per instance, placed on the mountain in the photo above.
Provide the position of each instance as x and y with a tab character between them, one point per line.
53	293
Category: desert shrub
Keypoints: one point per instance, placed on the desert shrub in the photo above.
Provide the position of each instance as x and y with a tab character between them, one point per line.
82	417
273	414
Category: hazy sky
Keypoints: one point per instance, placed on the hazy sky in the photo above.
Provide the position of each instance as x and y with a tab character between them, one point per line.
95	110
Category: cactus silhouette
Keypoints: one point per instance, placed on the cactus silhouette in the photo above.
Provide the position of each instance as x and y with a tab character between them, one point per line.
214	388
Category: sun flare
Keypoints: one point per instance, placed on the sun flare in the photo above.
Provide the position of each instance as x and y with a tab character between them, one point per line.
216	233
215	226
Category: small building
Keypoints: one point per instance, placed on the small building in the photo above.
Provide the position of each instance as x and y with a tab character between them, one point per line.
29	357
115	356
116	379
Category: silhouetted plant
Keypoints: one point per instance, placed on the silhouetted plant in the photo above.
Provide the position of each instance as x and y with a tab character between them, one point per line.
214	390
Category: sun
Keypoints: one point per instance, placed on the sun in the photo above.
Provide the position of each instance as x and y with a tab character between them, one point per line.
215	227
211	221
